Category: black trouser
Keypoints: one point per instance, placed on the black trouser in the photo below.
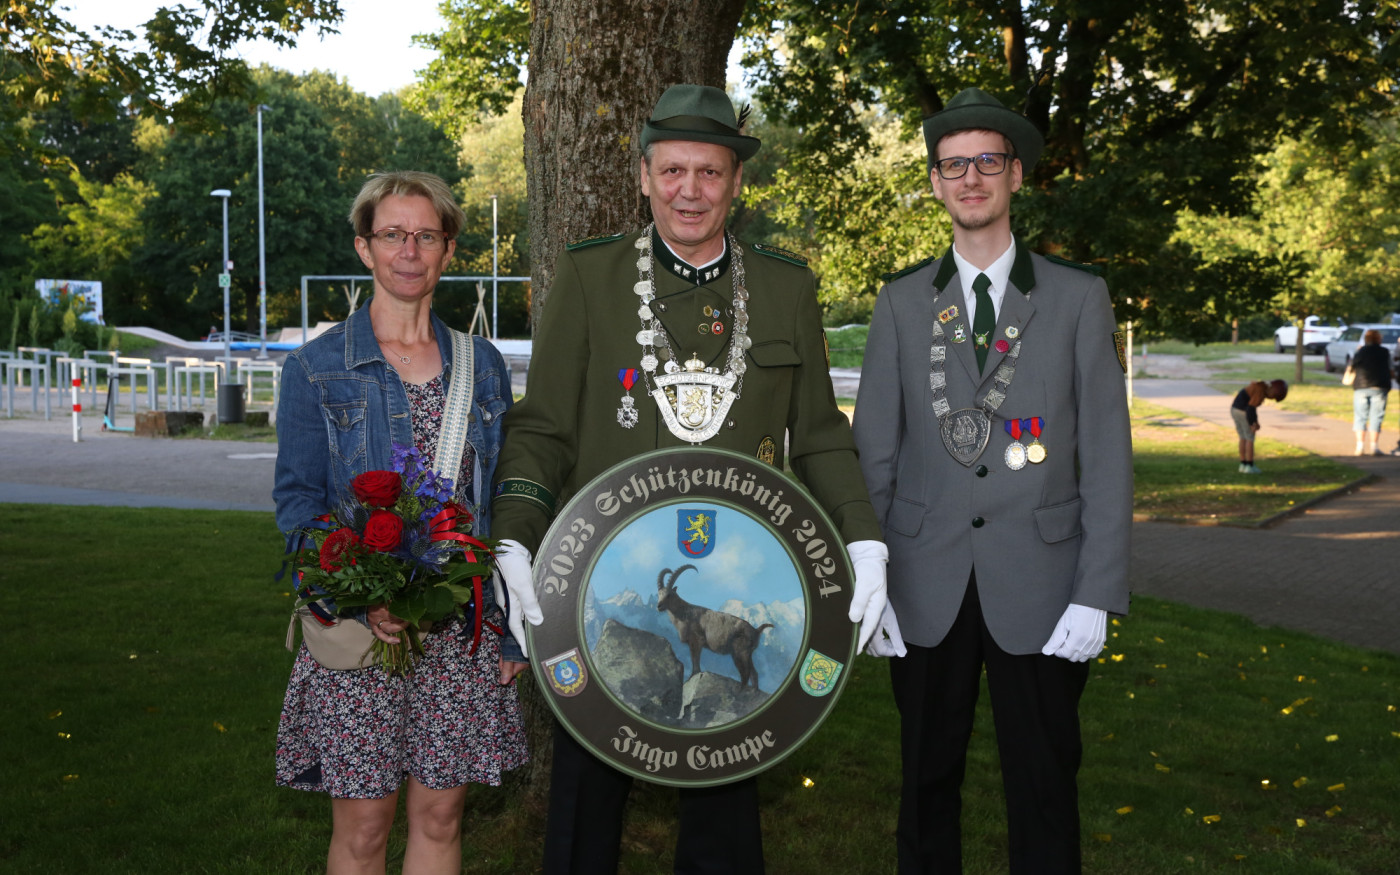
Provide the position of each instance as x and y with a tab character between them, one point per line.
1035	705
719	829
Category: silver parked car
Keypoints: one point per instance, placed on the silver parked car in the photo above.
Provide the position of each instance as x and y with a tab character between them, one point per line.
1339	352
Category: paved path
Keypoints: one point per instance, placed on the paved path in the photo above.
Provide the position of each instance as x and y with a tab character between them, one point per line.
1334	570
1331	571
39	463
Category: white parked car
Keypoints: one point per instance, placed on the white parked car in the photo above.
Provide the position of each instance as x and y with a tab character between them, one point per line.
1338	353
1316	335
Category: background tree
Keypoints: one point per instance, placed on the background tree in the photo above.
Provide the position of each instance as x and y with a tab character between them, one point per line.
1148	109
72	100
595	71
181	60
320	140
1331	214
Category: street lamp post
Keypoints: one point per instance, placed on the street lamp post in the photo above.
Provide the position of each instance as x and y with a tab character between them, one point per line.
495	269
262	249
225	278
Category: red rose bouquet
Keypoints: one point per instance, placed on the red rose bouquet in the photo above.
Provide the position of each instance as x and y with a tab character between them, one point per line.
402	542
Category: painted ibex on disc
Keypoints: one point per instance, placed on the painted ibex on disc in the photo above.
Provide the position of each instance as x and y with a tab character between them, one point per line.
703	629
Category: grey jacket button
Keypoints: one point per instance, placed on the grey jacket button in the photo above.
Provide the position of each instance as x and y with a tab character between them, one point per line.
978	522
981	471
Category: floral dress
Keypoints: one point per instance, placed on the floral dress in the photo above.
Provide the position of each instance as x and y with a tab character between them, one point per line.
359	734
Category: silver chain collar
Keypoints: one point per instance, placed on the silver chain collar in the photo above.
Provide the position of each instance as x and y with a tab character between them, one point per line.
965	431
653	333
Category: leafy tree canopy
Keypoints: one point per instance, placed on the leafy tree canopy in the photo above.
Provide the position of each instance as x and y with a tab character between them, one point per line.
1149	110
181	60
1325	223
481	55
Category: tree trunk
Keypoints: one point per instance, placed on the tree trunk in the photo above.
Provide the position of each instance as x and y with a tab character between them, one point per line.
1298	351
596	69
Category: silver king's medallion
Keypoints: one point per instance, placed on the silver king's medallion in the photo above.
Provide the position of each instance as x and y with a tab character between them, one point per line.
965	433
694	402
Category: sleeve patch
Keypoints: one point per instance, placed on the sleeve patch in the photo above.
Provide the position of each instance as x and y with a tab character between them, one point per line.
1120	343
526	490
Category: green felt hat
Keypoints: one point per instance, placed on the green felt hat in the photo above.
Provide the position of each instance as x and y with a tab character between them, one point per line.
701	114
975	109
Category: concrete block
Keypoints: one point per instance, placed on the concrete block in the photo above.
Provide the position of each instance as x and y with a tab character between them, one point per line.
167	423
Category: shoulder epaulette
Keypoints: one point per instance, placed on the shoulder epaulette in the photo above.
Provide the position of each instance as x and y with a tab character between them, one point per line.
780	253
1095	269
593	241
896	274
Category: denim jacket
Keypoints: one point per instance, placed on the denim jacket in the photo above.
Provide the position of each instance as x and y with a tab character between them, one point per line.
341	409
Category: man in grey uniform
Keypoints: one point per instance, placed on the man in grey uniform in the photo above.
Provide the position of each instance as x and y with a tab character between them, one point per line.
993	433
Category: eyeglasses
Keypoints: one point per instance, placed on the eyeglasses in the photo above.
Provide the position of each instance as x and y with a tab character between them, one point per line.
395	238
987	164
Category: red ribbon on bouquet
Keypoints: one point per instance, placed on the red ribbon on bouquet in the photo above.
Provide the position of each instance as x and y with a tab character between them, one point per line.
442	528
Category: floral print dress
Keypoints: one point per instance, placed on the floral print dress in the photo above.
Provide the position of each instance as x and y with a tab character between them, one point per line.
359	734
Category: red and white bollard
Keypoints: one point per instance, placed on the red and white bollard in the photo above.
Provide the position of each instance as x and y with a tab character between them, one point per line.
77	411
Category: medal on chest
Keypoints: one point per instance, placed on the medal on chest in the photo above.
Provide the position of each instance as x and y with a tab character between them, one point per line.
627	414
1015	455
1035	453
694	402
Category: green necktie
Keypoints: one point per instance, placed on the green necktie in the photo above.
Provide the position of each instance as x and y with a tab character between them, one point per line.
985	322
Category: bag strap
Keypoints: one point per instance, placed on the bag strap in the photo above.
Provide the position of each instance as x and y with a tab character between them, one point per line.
447	462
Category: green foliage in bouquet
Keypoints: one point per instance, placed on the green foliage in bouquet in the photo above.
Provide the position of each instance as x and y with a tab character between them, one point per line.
401	542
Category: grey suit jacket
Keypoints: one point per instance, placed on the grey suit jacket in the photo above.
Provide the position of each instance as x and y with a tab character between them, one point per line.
1039	538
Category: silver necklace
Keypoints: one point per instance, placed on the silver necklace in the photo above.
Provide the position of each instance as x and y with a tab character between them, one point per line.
693	401
408	360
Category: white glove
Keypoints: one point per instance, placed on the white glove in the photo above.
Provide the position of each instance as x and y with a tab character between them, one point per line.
513	569
868	559
1080	634
887	641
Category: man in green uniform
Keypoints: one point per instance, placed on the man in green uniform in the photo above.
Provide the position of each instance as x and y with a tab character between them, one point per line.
681	301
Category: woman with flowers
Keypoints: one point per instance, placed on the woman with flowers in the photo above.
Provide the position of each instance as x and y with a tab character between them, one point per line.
358	425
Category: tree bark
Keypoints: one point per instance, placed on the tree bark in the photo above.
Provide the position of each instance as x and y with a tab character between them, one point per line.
596	68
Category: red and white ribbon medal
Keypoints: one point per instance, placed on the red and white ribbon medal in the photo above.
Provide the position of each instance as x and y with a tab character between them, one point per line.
627	414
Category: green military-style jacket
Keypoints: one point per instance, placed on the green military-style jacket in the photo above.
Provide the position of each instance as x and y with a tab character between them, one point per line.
566	431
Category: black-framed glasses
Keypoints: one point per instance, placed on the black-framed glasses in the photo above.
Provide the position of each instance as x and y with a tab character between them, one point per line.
987	164
395	238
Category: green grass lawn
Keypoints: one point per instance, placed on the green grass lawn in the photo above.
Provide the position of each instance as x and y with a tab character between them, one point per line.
145	685
1185	469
